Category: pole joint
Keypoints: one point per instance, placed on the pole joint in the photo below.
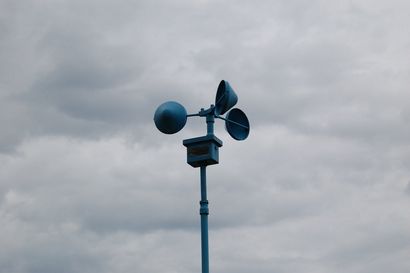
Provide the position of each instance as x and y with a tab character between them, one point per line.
204	210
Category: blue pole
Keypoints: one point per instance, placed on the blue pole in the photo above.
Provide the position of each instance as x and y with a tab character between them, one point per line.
204	222
204	211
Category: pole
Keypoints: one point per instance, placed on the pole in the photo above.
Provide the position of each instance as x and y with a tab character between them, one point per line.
204	211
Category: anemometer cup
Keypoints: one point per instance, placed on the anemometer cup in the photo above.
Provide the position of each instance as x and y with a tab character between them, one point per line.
225	98
237	124
170	117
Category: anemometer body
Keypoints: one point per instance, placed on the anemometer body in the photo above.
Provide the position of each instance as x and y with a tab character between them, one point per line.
170	117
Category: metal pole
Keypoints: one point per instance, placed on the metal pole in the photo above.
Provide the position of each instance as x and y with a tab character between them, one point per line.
204	211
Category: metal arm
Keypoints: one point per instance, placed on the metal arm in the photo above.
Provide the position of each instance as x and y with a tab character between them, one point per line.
234	122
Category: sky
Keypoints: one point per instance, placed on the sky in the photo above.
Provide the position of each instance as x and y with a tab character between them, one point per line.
88	184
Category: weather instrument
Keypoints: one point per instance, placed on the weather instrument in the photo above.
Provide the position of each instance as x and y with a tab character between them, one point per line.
170	117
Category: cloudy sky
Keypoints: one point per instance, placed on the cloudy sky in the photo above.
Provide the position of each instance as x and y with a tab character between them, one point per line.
88	184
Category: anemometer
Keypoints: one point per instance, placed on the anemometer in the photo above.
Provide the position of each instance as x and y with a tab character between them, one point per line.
170	117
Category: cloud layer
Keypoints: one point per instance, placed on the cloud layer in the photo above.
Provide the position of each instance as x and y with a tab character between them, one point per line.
88	184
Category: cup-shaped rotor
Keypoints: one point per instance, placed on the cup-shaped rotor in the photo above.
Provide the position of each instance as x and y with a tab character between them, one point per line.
225	98
170	117
237	124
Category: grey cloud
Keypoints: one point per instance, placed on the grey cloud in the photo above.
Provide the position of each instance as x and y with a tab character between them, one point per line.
86	180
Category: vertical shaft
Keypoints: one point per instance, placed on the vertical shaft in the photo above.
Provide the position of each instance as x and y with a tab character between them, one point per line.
210	120
204	222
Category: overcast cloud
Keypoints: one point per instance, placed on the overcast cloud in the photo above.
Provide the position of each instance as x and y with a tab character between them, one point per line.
88	184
